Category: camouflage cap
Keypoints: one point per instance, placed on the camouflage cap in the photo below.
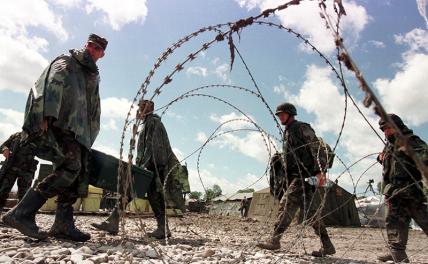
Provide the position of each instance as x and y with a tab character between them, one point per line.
97	40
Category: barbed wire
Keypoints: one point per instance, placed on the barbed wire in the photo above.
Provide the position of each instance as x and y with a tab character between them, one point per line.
227	31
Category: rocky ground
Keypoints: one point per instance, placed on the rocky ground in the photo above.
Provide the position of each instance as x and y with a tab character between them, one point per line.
199	239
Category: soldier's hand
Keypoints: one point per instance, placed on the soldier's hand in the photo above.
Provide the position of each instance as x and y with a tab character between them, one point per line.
380	157
6	153
321	179
45	125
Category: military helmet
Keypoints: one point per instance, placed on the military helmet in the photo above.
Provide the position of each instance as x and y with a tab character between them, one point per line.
395	118
286	108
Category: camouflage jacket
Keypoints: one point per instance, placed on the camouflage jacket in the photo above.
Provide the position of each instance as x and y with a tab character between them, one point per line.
300	148
154	149
398	167
25	160
67	94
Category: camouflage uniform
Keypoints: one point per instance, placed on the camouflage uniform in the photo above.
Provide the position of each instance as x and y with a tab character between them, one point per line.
21	170
403	191
299	145
67	96
155	153
300	148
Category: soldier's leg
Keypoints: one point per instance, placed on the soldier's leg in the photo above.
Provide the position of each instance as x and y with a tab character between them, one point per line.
111	224
66	173
157	203
6	186
288	206
314	217
419	213
24	183
67	166
397	229
63	227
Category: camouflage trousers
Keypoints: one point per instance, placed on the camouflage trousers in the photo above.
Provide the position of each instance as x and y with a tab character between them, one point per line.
67	156
15	174
299	195
401	208
173	195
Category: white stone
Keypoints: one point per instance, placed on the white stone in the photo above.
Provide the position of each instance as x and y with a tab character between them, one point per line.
151	253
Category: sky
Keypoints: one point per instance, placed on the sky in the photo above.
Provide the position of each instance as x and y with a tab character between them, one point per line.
387	39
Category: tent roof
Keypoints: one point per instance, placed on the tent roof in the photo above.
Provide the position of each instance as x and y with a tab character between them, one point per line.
267	190
233	197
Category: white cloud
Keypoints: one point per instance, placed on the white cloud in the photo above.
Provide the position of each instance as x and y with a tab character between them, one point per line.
11	122
228	186
197	70
377	44
322	98
222	72
422	5
201	137
416	40
114	107
22	61
66	3
18	15
305	19
252	144
234	124
119	14
406	93
109	125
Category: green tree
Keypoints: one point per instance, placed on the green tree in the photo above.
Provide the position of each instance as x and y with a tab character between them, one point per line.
250	190
213	192
195	195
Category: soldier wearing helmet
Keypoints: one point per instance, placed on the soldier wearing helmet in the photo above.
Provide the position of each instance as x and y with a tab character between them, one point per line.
402	188
300	147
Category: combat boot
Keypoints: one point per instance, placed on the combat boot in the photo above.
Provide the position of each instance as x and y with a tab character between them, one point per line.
159	233
64	228
271	244
385	258
398	256
327	247
23	215
111	224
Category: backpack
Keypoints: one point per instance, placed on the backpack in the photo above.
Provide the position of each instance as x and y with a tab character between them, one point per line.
324	156
277	179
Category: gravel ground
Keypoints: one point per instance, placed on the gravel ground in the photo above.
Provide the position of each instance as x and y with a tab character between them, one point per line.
200	239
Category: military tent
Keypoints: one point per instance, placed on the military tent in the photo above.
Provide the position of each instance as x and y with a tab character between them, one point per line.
228	205
339	209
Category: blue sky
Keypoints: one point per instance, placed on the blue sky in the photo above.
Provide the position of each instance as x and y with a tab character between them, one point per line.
388	40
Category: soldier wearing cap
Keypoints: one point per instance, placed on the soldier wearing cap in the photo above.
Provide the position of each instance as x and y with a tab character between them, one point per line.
402	188
62	118
300	148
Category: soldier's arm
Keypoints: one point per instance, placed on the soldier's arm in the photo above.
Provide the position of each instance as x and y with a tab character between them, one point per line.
57	81
9	142
145	145
420	148
311	140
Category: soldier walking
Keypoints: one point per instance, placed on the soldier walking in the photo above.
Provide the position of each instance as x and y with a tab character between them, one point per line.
16	168
62	118
402	188
154	153
300	150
